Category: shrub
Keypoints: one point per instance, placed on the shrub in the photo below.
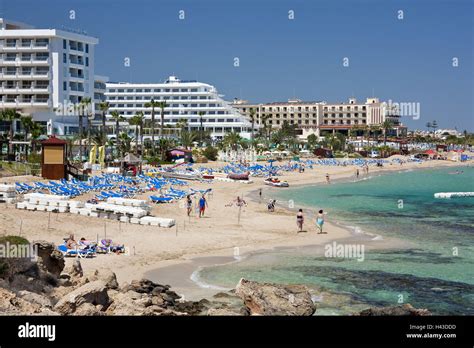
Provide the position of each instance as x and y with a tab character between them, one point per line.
13	240
210	153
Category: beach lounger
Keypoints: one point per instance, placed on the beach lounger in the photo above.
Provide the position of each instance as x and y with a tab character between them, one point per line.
82	253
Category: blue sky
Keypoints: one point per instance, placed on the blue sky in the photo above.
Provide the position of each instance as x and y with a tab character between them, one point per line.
407	60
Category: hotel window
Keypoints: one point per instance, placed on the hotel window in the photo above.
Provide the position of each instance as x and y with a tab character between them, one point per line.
156	90
64	44
194	90
147	90
87	61
184	89
120	90
65	86
87	48
129	90
175	90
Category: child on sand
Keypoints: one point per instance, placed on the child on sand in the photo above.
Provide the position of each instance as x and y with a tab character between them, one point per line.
320	221
300	220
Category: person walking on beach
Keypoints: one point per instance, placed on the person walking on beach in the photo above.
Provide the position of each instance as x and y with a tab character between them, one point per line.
260	194
357	173
328	180
189	204
202	206
320	221
300	220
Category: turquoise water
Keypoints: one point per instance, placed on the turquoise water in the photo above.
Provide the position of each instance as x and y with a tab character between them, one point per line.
436	271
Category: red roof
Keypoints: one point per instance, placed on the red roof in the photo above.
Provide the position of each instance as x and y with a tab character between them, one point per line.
430	152
53	141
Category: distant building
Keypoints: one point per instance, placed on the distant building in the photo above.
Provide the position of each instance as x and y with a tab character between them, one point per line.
197	103
45	71
319	117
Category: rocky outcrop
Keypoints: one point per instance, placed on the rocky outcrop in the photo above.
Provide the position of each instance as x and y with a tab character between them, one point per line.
50	260
402	310
273	299
106	275
94	293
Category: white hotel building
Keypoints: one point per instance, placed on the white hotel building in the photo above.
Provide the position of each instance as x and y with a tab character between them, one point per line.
43	71
184	99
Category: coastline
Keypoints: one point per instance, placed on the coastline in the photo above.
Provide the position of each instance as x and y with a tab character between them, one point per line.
211	239
193	287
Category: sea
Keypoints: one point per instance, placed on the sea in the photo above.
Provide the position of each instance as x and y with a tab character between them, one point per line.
432	268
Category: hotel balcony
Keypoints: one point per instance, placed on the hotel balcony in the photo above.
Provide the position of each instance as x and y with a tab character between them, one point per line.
28	90
24	47
11	103
20	62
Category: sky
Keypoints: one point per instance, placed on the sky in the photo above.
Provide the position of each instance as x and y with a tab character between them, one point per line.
403	60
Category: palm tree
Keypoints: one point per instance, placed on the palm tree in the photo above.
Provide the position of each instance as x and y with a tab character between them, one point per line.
124	144
162	105
104	107
137	121
201	114
231	140
86	103
152	104
117	118
386	126
9	115
264	120
187	139
164	145
26	123
36	131
252	121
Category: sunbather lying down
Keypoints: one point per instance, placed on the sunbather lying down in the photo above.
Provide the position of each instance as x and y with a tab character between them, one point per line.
107	245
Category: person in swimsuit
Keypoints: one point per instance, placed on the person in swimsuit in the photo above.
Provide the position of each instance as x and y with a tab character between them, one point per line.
202	206
300	220
328	180
320	221
189	205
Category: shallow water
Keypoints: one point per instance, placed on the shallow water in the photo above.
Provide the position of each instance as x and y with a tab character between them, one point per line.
437	272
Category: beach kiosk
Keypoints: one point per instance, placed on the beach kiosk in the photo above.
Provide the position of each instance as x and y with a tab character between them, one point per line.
53	159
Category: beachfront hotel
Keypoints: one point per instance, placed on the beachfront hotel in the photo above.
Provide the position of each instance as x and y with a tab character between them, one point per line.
319	117
197	103
44	70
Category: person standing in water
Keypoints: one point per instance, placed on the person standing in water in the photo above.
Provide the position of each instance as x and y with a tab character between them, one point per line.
202	206
320	221
300	220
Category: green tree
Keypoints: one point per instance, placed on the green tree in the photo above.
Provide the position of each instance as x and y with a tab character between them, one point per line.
9	116
386	126
231	140
252	116
117	118
104	107
312	140
152	104
187	138
201	129
138	121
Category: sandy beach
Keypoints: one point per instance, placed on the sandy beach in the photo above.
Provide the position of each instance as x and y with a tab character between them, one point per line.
194	241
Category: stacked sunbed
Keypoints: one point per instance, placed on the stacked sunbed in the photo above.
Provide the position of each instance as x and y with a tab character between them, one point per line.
44	202
7	193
